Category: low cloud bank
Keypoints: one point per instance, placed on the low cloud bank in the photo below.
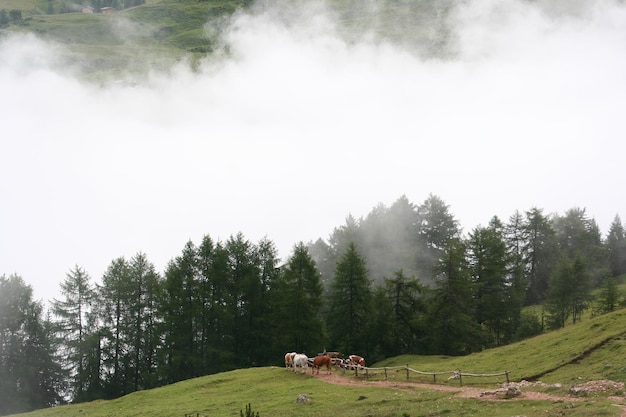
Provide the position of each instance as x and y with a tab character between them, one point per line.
314	113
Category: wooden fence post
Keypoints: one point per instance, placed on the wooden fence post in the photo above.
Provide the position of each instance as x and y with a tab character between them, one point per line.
460	377
407	371
507	377
385	372
435	377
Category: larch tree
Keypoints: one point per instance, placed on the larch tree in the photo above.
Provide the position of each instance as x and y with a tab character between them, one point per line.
114	296
350	304
436	227
453	330
516	278
75	324
145	289
540	253
297	298
616	246
243	270
181	311
579	235
266	256
488	266
218	316
405	297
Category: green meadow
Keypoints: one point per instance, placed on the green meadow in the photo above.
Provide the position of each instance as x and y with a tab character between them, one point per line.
591	350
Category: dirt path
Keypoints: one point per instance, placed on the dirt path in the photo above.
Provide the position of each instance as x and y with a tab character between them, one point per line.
484	394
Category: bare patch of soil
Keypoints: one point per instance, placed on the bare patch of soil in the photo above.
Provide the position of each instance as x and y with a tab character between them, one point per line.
337	378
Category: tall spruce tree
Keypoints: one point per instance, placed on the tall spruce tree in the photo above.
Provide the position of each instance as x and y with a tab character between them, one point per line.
350	304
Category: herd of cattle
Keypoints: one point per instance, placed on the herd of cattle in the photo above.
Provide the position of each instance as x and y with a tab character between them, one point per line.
300	361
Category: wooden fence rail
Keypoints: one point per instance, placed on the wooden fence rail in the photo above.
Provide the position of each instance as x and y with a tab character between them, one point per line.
454	374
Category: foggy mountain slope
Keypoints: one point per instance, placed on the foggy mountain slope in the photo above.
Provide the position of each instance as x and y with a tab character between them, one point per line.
281	118
156	35
153	36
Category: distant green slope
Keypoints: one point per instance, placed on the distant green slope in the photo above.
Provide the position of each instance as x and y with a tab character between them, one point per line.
159	33
147	37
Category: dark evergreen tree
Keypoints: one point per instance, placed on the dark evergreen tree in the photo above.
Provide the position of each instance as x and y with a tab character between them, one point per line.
243	269
616	247
517	280
436	228
114	294
145	287
453	330
297	298
325	260
609	298
30	376
405	297
489	269
350	303
388	237
264	352
569	292
380	332
181	313
217	329
578	235
540	253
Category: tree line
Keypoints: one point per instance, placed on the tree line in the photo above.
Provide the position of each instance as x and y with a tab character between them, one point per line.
404	279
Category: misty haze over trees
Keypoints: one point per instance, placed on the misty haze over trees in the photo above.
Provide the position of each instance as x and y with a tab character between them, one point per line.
404	279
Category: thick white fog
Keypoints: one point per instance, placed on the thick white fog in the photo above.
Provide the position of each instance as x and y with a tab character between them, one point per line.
308	120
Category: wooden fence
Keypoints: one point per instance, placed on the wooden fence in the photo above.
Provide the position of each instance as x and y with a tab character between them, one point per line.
454	374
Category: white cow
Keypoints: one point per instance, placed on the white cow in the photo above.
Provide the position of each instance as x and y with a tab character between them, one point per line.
302	361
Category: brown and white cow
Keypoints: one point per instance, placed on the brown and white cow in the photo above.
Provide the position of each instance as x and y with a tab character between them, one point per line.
356	361
289	359
322	360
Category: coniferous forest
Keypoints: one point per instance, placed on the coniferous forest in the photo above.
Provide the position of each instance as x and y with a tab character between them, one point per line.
405	279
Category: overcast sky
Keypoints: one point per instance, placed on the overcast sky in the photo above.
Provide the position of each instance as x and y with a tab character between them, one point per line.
300	128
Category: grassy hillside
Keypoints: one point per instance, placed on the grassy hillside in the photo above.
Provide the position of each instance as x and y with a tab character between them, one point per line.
585	351
161	32
149	37
590	350
273	392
